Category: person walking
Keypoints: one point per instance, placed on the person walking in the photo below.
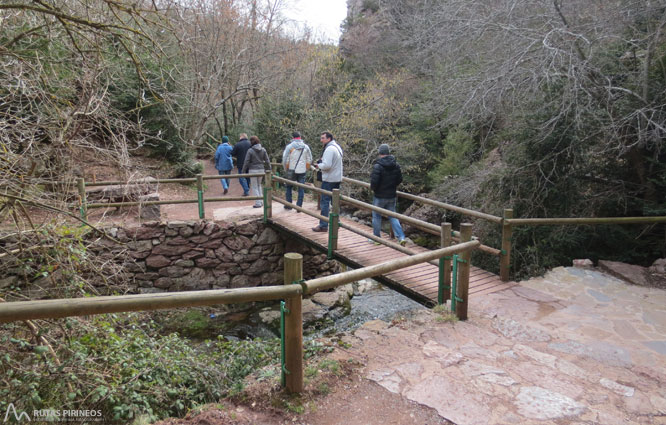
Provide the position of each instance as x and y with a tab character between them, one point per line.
384	179
223	161
239	152
296	160
256	161
330	165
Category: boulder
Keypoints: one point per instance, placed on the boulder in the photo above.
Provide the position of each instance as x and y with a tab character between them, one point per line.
636	275
149	212
268	237
583	263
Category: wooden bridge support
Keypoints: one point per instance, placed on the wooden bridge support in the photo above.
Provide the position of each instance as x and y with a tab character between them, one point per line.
444	292
268	199
293	335
462	290
505	256
333	223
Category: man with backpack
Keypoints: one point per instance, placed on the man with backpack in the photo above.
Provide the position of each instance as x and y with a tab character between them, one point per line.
384	180
296	160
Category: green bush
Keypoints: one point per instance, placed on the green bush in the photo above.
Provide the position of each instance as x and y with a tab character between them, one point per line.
123	368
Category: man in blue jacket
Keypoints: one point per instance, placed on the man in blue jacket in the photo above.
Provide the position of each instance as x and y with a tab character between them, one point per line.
239	152
223	161
384	180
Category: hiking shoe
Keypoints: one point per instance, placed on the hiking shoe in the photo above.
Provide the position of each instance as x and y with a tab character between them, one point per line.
257	206
320	229
403	242
226	191
286	207
372	241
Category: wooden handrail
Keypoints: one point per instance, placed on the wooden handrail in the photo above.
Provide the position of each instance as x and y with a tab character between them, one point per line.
582	221
464	211
304	186
52	309
301	209
328	282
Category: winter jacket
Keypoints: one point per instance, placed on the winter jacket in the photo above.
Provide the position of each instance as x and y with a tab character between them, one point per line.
331	163
240	150
223	160
291	155
385	178
256	159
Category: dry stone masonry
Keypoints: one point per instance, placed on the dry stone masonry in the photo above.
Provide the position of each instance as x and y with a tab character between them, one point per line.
199	255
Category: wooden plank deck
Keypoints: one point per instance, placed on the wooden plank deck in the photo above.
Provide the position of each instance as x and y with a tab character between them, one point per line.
419	281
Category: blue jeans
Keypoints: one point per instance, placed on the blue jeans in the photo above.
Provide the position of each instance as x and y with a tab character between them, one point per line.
387	204
326	201
300	178
225	182
244	182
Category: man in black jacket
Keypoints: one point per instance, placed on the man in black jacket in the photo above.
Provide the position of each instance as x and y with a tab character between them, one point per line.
239	151
385	178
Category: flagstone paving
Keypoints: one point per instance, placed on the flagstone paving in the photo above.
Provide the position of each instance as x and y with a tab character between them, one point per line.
575	346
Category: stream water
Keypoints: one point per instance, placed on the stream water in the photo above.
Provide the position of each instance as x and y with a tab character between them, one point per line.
375	302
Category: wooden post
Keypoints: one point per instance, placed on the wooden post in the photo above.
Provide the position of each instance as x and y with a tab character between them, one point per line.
200	189
293	271
82	194
463	273
274	169
505	259
445	242
334	219
269	195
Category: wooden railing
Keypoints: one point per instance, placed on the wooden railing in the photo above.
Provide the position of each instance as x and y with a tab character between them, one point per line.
292	291
507	222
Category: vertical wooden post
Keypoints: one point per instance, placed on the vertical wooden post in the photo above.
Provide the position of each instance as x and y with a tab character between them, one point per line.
445	279
80	182
274	169
463	273
293	271
335	219
200	189
505	259
269	195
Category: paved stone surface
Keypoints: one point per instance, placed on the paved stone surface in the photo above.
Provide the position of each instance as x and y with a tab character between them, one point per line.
576	346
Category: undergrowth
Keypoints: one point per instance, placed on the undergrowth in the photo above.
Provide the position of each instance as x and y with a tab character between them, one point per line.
123	367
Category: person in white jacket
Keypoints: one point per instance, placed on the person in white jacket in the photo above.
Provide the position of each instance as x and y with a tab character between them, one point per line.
296	159
330	166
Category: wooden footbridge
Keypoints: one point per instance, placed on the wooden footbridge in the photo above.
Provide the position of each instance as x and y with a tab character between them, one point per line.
419	282
354	244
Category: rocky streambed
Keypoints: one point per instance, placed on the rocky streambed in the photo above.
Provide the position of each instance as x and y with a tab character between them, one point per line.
325	313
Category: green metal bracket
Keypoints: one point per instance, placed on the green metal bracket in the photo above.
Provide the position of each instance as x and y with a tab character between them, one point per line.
454	283
302	283
201	204
503	251
283	361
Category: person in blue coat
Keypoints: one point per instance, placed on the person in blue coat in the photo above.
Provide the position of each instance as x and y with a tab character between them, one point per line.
223	161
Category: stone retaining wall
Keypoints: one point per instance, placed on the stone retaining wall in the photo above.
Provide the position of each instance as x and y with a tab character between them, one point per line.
198	255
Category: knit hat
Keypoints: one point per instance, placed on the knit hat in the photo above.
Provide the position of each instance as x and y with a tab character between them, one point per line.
225	139
384	149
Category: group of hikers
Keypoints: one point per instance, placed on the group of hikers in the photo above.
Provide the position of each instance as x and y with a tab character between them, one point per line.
297	159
